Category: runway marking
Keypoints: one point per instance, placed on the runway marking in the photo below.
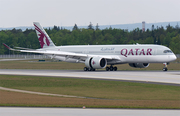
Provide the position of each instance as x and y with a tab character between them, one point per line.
39	93
50	94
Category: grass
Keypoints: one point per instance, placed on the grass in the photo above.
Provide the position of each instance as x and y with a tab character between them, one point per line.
22	99
124	94
65	66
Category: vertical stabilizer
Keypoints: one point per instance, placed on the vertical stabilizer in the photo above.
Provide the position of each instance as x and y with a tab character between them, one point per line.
44	40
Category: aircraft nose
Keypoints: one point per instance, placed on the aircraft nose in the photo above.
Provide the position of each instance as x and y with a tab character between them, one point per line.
173	57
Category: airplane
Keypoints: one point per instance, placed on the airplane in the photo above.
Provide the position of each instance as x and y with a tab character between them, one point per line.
99	56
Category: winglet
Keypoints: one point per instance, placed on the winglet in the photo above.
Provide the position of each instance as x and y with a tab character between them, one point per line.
7	46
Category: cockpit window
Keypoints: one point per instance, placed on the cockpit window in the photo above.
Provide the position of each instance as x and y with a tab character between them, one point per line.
167	51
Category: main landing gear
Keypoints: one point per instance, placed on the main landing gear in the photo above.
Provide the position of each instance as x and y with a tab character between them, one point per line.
111	68
165	67
89	69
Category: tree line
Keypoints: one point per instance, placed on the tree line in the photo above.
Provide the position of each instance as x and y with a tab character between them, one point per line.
169	36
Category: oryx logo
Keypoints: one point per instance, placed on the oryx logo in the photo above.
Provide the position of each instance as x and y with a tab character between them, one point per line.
43	39
93	62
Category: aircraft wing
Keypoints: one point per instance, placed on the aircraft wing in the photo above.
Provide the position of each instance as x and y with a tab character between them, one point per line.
78	56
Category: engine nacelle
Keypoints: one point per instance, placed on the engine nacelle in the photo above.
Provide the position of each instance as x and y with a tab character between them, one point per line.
139	65
96	62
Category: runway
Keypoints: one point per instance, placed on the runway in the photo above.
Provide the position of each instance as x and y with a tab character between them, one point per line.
20	111
169	77
11	59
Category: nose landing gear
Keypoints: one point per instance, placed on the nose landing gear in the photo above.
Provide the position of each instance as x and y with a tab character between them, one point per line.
165	67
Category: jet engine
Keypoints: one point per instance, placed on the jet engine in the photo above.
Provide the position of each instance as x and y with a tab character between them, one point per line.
96	62
139	65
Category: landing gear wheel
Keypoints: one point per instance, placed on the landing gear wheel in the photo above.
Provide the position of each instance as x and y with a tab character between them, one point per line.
115	68
107	68
165	69
89	69
111	68
85	68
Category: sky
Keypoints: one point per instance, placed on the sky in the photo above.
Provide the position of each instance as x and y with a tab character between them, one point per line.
15	13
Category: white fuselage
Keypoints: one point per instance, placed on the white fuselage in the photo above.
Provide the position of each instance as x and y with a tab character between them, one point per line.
139	53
